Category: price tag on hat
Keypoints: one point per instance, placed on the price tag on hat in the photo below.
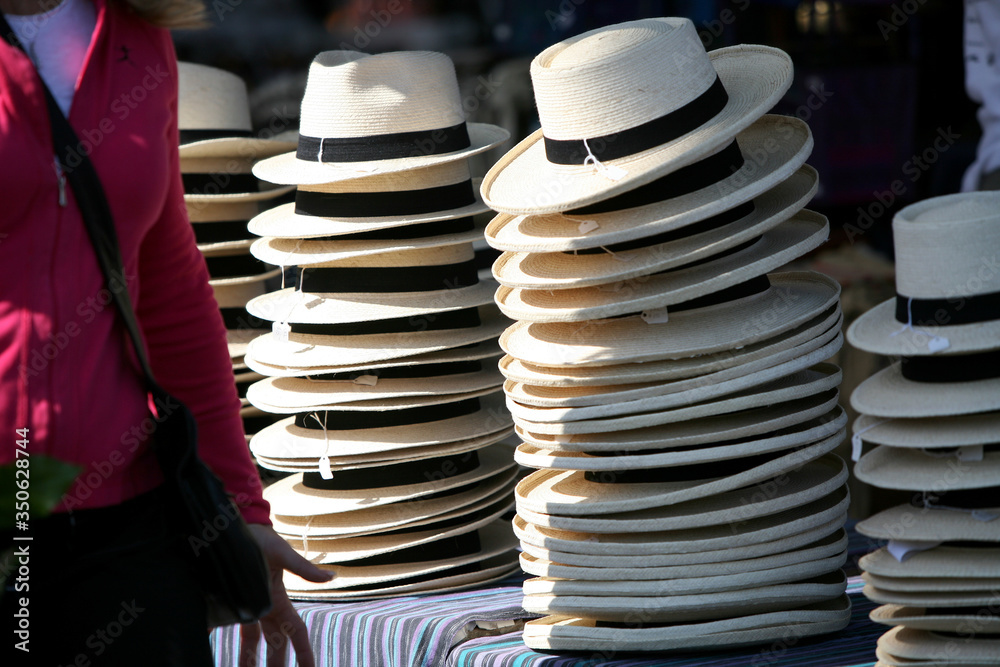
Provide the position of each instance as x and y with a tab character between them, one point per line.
655	315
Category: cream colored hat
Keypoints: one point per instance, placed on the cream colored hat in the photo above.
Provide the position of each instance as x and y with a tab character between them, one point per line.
222	225
957	431
925	646
209	180
916	585
769	168
232	296
936	524
947	280
624	104
394	111
946	561
934	598
966	622
787	301
565	633
213	114
922	469
939	385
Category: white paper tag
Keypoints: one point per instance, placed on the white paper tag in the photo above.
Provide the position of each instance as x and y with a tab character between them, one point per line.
366	380
587	226
856	447
983	515
563	437
970	453
938	343
655	315
613	172
280	331
903	549
324	467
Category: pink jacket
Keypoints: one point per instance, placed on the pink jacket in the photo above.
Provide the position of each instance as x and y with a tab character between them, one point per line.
66	371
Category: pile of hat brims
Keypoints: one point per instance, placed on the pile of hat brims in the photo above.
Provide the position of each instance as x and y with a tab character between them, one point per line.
217	152
931	422
382	360
667	384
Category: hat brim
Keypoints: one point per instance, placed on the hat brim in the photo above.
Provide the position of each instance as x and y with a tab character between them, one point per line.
888	394
797	296
931	599
924	645
906	522
265	194
288	169
523	180
245	280
942	562
920	618
879	332
941	584
955	431
917	470
247	148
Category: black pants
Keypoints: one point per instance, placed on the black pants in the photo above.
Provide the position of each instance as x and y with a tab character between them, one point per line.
106	587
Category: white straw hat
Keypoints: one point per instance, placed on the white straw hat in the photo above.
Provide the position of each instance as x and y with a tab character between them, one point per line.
978	560
932	599
931	585
923	645
921	469
770	158
908	522
231	297
643	99
222	225
209	180
917	387
394	111
947	280
943	620
791	300
975	429
213	114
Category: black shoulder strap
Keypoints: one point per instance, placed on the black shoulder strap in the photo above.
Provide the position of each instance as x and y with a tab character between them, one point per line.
96	213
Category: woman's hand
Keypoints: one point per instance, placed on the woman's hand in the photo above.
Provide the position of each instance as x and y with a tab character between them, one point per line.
282	624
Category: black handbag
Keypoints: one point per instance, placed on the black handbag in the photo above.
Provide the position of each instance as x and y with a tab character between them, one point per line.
227	559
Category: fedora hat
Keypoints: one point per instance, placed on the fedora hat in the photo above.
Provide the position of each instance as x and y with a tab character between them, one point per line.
978	560
947	281
911	469
967	622
213	115
931	386
934	523
942	598
362	408
208	180
786	625
222	225
781	303
405	201
955	431
924	646
760	173
395	111
624	104
231	297
931	584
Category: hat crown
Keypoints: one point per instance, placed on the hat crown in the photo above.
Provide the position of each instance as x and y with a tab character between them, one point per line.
209	98
352	94
613	79
948	247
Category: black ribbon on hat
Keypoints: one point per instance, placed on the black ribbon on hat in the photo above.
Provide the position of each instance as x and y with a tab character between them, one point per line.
220	184
405	372
642	137
384	204
952	368
399	474
684	473
465	544
389	279
954	310
239	318
972	499
418	231
191	136
755	285
221	231
465	318
469	568
233	266
419	143
252	425
346	420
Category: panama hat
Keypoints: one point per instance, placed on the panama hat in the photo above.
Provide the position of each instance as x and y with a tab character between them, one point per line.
658	606
946	561
231	297
534	457
363	408
379	202
565	633
956	431
886	659
235	267
682	392
940	385
313	349
621	105
304	437
395	111
380	287
208	180
304	494
761	173
967	622
222	225
913	644
935	524
571	269
408	515
943	598
921	469
947	280
823	327
931	584
786	301
213	114
647	412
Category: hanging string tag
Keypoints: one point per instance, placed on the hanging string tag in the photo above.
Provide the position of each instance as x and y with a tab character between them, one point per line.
934	344
563	437
970	453
280	331
587	226
655	315
366	380
856	442
324	461
608	171
977	514
620	256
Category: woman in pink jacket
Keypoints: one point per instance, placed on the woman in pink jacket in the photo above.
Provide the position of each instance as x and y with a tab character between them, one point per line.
104	585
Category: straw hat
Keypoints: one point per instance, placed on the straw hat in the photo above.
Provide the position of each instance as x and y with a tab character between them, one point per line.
812	481
946	279
942	597
957	431
643	98
907	522
307	349
362	408
378	202
295	495
786	625
923	645
932	585
946	561
213	114
231	297
771	175
654	605
222	226
943	620
395	111
904	389
209	180
922	469
792	299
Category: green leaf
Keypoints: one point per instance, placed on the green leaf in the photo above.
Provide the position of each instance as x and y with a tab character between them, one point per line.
48	479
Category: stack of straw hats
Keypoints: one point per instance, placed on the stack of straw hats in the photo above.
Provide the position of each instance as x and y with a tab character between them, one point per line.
382	360
930	423
217	151
667	384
